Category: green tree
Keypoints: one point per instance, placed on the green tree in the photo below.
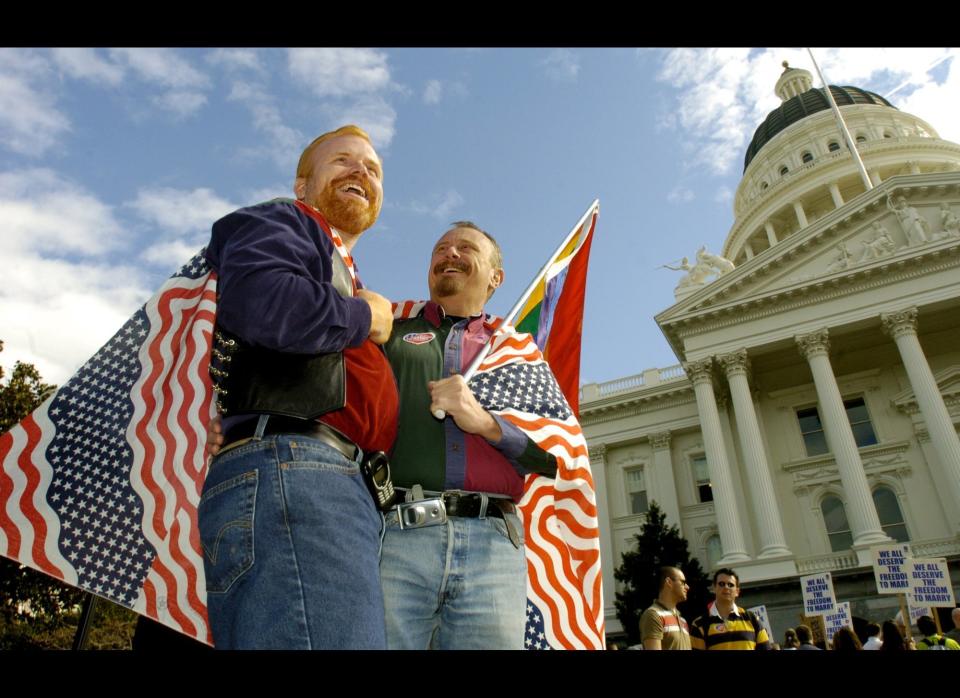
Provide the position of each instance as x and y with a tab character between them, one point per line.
658	545
37	611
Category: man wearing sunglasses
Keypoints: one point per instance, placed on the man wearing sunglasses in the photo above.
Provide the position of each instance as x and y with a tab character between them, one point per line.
727	626
661	626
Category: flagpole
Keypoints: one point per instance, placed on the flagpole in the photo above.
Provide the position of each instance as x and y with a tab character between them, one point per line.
518	306
843	127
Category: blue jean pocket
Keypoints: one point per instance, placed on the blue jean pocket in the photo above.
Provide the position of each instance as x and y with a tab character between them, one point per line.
225	517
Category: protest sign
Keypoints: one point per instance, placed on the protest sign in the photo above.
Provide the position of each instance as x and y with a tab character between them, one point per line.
890	568
930	583
839	618
761	613
818	595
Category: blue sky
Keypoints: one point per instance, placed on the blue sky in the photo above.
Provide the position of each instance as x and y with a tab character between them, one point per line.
114	163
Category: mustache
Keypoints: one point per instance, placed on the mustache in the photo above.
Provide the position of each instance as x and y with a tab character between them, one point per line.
362	182
459	266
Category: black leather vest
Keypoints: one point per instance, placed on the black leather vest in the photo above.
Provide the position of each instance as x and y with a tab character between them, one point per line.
253	380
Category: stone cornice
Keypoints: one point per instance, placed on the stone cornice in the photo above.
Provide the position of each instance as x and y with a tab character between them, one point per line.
702	306
881	273
633	407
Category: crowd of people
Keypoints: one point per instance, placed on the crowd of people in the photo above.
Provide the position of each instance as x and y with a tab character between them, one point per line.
727	626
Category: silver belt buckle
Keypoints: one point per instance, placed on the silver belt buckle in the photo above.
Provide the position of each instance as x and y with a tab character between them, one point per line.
421	513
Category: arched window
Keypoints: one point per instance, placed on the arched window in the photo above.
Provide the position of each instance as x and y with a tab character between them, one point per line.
835	519
807	156
714	552
834	146
891	518
861	139
764	185
784	170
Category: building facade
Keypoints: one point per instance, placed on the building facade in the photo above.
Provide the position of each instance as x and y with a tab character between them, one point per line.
814	411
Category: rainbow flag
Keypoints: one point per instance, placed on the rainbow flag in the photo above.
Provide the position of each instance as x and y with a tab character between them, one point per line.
553	313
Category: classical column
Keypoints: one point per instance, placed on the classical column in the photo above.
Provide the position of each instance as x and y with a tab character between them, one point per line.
875	178
665	486
748	249
598	469
763	496
725	504
902	326
801	214
771	233
835	194
861	512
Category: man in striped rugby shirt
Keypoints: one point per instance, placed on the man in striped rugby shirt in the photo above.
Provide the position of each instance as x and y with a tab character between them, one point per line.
727	626
661	626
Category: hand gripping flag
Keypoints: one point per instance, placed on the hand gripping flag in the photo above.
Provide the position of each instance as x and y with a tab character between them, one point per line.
99	485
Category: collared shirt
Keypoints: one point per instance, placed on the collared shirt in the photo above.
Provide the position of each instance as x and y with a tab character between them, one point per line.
667	625
873	643
740	630
437	454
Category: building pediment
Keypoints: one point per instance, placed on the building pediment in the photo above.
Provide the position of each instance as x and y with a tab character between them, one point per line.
864	239
948	383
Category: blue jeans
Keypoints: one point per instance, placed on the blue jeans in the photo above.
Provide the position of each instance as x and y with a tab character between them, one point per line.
459	585
291	542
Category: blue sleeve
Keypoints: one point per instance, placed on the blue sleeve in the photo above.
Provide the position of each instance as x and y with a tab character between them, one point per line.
274	282
524	455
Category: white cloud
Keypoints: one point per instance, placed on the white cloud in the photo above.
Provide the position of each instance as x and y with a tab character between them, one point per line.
179	211
724	94
562	65
86	64
165	68
172	254
433	92
680	195
30	123
60	299
374	115
337	72
442	207
723	195
236	59
282	143
43	212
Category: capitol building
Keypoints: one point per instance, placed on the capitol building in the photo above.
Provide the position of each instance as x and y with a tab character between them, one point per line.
813	412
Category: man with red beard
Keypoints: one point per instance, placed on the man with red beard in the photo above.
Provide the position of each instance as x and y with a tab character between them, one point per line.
290	533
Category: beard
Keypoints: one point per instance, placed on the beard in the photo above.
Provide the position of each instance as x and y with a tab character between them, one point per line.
445	285
349	216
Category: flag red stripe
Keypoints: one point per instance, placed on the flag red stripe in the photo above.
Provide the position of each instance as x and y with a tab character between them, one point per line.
577	497
550	570
580	474
577	528
534	548
6	489
25	461
568	574
567	327
150	598
536	424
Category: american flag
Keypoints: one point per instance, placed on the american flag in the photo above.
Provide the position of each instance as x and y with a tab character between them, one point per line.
564	582
99	485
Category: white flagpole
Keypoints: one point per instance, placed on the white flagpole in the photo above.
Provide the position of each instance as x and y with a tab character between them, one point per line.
843	127
518	306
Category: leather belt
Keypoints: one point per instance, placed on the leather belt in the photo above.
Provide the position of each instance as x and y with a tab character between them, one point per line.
434	511
289	425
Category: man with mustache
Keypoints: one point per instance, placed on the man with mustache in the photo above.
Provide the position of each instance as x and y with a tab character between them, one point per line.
453	566
289	532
